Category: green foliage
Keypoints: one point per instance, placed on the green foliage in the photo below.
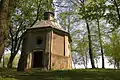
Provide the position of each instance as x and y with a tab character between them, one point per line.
73	19
98	13
5	60
26	14
82	13
112	15
112	48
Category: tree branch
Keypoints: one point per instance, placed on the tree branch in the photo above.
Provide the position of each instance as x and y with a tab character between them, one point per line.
117	9
38	11
10	30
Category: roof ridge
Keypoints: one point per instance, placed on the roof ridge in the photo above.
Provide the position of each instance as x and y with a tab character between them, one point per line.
46	23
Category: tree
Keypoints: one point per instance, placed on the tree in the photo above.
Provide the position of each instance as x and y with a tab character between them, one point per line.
19	22
67	19
112	49
41	7
116	4
25	15
99	16
86	12
83	13
101	44
98	10
113	15
4	6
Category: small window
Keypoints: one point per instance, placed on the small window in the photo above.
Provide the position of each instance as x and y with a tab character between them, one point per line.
39	40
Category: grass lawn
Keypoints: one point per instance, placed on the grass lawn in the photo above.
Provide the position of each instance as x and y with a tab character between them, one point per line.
75	74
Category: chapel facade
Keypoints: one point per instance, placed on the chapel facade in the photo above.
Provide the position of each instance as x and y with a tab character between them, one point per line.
46	45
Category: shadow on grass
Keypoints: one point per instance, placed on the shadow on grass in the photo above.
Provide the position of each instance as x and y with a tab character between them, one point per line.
78	74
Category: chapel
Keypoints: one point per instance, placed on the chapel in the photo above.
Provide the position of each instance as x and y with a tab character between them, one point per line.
46	45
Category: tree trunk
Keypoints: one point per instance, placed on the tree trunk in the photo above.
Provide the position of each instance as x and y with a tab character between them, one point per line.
117	65
1	50
3	61
14	51
86	60
101	45
90	45
73	63
9	65
22	62
3	24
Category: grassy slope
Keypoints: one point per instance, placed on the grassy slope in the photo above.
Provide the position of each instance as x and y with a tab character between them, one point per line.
78	74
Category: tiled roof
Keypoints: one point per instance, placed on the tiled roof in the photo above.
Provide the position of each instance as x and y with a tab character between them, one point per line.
47	23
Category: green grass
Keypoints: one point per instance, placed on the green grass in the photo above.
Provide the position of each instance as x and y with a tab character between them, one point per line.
75	74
